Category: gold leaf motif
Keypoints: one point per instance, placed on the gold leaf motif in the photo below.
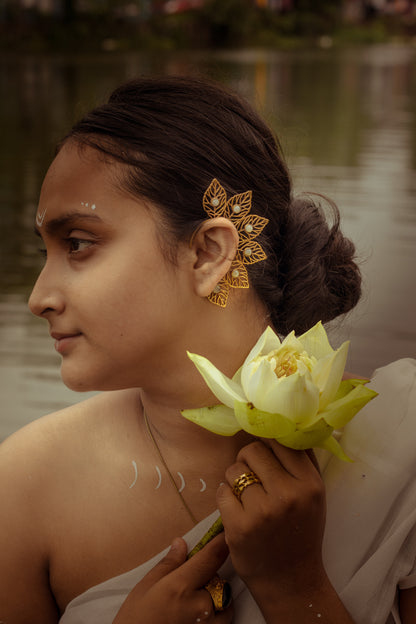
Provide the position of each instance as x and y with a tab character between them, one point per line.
215	199
255	223
219	296
242	202
237	276
248	226
250	251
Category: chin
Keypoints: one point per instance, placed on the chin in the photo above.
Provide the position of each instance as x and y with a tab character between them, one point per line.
78	382
77	385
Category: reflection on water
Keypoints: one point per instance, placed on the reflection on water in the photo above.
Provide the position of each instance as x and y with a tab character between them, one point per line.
347	122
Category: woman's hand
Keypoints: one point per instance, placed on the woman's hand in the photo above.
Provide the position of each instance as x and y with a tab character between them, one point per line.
173	591
275	531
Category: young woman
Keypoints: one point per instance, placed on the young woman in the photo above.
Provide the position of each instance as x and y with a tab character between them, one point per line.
137	272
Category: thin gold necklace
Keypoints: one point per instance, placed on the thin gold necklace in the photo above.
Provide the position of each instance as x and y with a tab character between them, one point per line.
162	459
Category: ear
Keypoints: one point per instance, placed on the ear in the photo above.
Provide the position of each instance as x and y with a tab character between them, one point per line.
214	246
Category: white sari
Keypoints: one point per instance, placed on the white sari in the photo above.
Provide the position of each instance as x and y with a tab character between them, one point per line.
369	546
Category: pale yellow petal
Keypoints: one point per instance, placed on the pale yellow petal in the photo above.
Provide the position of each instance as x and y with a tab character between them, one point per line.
315	341
226	390
327	374
266	343
257	378
295	396
293	343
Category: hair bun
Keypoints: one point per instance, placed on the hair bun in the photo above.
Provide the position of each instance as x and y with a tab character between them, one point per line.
318	276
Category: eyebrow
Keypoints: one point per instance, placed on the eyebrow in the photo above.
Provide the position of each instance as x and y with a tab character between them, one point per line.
56	225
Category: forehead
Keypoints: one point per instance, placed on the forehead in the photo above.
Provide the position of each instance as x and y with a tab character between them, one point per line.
76	169
80	179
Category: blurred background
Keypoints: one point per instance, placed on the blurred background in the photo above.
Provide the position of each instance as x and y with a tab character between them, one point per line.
336	80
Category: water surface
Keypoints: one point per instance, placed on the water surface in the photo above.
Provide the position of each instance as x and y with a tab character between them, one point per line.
347	122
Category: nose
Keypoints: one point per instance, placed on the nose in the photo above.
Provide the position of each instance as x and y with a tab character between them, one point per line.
46	296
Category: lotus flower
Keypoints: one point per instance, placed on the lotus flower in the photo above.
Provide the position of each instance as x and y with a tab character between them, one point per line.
291	391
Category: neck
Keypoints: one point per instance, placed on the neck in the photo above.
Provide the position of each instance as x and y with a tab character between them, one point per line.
176	434
178	385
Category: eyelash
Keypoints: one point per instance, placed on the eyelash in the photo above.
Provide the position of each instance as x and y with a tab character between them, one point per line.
71	242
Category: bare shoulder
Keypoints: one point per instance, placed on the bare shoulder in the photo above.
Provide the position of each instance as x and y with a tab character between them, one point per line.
32	458
36	463
47	435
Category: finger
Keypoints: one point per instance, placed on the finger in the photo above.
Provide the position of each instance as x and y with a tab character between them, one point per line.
310	453
296	462
237	471
209	616
226	616
171	561
198	570
274	463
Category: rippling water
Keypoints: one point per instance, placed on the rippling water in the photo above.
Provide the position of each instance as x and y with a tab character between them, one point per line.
347	121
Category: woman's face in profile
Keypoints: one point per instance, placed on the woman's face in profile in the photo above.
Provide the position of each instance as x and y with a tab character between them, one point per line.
112	301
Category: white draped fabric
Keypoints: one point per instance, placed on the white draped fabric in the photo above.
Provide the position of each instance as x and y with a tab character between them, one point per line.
370	538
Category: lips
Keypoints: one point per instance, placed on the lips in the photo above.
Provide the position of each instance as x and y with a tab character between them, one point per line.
64	341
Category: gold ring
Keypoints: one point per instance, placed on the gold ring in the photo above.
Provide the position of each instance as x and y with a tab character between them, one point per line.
220	592
243	481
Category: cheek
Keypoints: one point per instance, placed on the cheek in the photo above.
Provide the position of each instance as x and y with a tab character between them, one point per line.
131	294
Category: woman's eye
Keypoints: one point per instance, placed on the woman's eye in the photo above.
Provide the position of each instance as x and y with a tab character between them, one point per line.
78	245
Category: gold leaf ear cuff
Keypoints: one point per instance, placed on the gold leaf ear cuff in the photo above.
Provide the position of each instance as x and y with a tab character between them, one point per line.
248	226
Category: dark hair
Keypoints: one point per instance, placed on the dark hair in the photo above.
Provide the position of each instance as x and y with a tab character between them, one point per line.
176	134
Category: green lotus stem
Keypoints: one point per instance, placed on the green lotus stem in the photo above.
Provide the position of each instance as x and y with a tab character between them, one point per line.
214	530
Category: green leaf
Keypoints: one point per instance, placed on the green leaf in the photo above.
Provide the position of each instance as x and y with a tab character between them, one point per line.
347	385
217	418
307	439
262	424
339	413
331	445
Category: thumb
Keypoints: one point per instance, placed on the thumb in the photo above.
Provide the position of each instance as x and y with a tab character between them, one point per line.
200	568
172	560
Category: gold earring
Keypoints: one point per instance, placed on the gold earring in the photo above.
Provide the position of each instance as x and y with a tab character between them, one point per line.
249	226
